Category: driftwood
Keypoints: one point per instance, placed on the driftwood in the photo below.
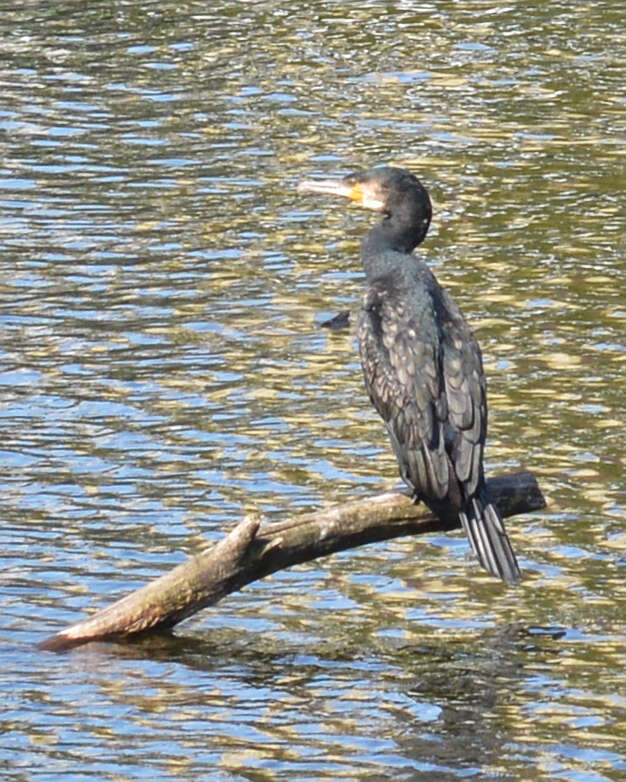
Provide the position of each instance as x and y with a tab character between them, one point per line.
253	550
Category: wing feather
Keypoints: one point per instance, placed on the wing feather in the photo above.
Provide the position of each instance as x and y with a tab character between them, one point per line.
403	377
466	394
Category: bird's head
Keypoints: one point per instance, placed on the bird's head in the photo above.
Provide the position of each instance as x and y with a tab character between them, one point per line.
395	192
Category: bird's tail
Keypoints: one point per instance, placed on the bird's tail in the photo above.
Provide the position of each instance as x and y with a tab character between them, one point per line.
484	527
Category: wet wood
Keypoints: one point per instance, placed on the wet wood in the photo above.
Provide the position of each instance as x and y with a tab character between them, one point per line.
253	550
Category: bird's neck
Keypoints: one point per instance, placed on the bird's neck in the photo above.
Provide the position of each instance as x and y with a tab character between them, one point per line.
385	247
399	232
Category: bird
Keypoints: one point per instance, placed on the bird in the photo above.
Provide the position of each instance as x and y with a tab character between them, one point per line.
422	364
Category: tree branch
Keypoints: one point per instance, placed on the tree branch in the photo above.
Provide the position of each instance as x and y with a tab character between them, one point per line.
253	550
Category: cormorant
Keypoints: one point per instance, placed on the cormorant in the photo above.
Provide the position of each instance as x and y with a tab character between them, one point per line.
422	364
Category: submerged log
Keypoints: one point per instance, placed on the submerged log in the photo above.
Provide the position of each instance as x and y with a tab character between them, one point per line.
253	550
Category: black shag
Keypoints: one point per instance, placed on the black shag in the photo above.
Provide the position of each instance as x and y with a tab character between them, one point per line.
422	364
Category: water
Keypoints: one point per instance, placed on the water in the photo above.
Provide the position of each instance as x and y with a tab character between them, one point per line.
162	374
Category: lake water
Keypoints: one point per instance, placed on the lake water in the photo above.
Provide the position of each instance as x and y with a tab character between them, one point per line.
163	373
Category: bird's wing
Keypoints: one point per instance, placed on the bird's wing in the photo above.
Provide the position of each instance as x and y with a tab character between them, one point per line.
466	430
466	394
401	359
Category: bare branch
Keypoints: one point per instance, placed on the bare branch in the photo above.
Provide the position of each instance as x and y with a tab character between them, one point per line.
252	551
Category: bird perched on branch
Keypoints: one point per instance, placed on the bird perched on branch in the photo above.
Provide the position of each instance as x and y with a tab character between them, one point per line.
422	364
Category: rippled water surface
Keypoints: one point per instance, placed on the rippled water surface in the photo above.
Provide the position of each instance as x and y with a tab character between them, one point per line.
162	373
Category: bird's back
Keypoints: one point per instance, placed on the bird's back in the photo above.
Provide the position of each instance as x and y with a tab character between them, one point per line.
423	371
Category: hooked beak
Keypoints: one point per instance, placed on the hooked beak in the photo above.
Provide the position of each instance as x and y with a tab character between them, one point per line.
340	187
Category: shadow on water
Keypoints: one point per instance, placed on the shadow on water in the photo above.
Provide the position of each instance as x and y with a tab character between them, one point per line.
455	704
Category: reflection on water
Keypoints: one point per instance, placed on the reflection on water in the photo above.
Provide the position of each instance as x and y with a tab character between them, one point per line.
162	373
